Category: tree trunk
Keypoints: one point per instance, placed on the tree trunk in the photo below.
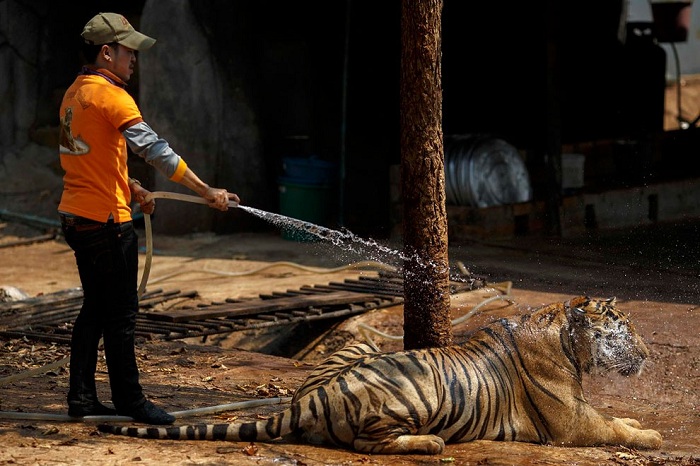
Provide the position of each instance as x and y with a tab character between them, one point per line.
426	267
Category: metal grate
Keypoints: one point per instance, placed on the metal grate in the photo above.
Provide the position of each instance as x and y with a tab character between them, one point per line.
50	317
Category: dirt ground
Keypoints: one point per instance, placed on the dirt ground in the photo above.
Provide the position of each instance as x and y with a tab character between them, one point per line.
654	272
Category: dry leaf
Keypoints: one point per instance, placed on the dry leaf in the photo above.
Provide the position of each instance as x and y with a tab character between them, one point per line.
251	449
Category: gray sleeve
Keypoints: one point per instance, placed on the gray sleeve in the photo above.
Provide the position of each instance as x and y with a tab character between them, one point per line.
154	150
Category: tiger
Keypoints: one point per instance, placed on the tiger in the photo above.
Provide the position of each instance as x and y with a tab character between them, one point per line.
517	379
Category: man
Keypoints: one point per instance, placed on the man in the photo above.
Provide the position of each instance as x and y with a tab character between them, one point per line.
98	119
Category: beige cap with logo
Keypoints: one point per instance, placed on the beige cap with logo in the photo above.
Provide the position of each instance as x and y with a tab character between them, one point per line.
105	28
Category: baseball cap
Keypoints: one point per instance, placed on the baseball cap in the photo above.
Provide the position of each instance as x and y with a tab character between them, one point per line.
105	28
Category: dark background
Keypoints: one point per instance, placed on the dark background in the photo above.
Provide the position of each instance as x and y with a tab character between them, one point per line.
324	78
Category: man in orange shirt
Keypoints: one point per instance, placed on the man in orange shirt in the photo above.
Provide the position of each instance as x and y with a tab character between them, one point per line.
98	119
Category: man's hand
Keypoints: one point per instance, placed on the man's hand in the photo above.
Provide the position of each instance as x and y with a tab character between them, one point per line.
139	194
219	198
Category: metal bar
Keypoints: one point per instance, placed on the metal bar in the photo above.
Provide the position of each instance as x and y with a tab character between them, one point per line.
46	337
259	306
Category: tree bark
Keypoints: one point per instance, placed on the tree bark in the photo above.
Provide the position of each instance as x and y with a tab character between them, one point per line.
426	268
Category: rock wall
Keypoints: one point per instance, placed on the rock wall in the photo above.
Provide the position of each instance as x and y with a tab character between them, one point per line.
30	177
202	109
20	61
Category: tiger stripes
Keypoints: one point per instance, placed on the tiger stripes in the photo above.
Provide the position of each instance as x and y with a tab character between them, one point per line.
513	380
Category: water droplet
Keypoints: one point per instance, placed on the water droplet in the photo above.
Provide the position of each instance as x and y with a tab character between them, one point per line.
349	242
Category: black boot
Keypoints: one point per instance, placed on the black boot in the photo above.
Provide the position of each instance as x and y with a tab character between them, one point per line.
149	413
89	407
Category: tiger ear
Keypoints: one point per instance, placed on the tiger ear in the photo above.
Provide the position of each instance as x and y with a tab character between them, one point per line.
579	301
612	301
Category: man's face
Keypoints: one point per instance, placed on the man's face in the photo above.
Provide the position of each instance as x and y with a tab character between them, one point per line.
123	61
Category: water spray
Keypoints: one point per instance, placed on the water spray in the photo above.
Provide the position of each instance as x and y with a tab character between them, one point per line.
338	238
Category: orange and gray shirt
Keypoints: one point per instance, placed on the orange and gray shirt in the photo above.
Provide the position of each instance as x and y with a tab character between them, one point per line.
98	119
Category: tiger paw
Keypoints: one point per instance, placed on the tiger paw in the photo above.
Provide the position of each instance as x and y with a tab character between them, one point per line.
649	439
631	422
403	444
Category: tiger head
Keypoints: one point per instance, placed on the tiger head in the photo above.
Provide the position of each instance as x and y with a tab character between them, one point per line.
604	339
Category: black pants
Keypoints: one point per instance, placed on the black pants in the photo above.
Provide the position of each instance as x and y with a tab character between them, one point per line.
107	258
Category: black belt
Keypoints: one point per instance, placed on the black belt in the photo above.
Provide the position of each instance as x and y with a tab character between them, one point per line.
82	223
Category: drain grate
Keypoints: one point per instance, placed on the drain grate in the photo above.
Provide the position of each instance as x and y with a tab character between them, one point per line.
50	317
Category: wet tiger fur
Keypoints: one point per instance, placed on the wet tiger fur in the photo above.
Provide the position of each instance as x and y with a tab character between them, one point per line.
514	380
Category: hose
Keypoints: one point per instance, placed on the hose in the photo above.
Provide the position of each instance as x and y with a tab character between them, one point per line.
319	270
182	197
149	230
60	417
254	403
33	372
365	329
231	406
